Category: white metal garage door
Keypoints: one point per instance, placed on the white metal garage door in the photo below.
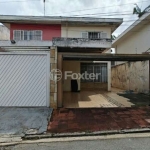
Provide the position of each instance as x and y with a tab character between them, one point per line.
24	79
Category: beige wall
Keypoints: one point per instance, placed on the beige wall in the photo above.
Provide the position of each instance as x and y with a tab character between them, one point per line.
4	33
53	84
131	76
73	66
136	43
76	31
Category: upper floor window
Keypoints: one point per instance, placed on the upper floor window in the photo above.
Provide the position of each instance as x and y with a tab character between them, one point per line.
27	35
94	35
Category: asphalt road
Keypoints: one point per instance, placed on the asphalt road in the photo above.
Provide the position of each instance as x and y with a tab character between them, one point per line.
116	144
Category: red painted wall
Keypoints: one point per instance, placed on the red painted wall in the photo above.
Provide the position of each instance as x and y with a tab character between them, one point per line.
49	31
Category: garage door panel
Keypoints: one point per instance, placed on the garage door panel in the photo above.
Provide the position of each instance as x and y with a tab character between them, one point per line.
23	80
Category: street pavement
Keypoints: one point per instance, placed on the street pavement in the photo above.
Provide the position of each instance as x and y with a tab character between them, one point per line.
112	144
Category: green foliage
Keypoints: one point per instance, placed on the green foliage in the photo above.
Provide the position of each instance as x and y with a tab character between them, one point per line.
137	10
113	37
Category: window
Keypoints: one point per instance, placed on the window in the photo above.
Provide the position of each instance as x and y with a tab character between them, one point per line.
27	35
17	35
99	69
85	35
112	63
103	35
94	35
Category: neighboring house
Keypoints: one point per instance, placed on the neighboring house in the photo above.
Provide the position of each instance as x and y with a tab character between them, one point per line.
39	45
4	33
135	40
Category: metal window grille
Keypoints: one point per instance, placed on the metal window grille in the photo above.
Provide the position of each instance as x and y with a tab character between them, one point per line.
94	35
17	35
99	69
27	35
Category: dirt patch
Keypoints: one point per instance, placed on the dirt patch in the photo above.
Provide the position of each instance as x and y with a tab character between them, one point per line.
137	99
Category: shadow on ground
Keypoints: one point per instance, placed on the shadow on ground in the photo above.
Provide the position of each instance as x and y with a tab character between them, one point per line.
137	99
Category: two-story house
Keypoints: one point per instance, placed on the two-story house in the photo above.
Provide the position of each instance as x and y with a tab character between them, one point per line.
46	56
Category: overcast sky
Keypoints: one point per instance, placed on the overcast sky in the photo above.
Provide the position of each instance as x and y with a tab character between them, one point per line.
93	8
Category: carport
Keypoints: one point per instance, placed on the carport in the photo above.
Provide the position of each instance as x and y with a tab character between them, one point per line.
93	58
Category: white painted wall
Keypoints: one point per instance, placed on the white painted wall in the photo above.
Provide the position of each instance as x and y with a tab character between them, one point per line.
136	43
73	66
4	33
76	31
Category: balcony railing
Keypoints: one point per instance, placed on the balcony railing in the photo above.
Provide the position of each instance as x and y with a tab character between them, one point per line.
82	42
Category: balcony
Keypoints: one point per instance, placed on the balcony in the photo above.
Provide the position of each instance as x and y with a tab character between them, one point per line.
82	42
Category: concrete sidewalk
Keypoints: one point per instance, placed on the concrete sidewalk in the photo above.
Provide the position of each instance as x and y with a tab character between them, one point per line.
23	120
98	119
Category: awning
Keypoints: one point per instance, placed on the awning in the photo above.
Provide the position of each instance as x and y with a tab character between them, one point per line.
107	57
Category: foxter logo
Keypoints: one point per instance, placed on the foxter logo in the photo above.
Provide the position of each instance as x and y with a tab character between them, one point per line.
55	75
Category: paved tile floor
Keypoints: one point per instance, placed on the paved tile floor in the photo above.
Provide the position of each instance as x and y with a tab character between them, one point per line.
95	99
98	119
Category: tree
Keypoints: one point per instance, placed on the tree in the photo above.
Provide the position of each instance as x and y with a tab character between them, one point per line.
137	10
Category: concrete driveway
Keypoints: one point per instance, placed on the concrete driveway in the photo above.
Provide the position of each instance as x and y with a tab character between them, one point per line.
24	120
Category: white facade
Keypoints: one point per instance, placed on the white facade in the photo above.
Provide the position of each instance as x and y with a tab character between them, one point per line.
136	43
76	31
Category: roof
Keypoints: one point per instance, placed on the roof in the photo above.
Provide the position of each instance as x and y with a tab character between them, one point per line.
106	57
136	26
114	22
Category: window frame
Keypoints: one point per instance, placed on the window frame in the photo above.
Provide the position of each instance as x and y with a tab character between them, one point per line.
103	67
28	35
98	32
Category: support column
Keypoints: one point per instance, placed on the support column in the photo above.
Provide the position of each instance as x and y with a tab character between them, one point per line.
60	82
53	84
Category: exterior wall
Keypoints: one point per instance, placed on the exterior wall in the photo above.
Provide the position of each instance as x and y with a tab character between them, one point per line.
53	84
82	42
60	82
94	86
137	43
76	31
49	31
4	33
131	76
73	66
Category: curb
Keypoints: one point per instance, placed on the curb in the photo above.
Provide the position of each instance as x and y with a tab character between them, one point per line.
82	134
68	137
85	138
